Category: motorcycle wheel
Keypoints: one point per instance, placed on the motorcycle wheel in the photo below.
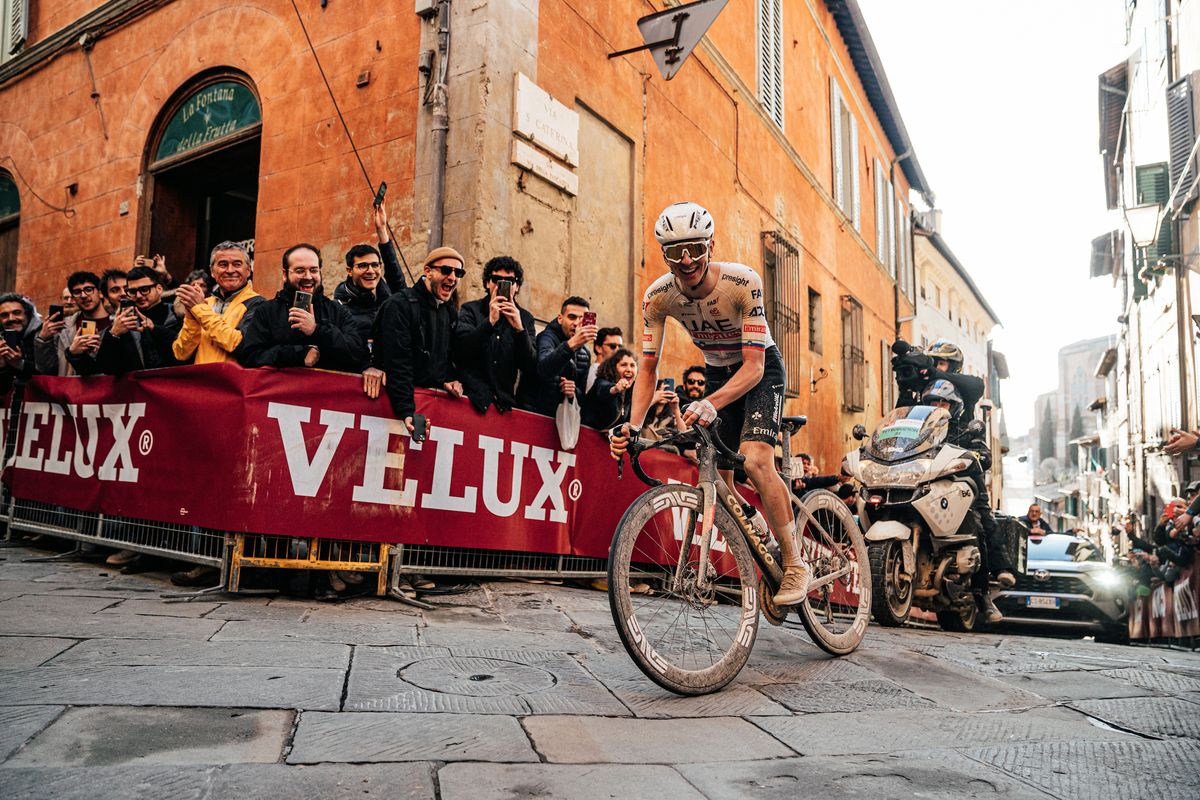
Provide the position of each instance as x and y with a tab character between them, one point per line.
956	620
891	601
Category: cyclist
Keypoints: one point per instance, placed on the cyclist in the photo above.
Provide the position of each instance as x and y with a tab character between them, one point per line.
720	304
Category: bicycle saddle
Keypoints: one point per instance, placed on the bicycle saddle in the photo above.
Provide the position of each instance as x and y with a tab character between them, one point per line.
795	422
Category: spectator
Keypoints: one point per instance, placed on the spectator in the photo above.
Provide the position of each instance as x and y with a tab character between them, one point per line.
811	480
61	347
141	335
608	341
210	332
199	279
562	359
608	403
20	322
1033	520
1181	441
68	302
278	334
413	334
112	284
493	340
694	383
1188	517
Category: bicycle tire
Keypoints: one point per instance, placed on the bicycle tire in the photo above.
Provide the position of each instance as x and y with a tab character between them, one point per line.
836	625
657	630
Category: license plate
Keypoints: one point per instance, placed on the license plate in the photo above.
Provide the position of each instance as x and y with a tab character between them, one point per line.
1042	602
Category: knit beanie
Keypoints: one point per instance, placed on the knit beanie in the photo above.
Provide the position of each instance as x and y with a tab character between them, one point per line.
442	252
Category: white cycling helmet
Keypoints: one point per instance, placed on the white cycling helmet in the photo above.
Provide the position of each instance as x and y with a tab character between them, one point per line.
682	222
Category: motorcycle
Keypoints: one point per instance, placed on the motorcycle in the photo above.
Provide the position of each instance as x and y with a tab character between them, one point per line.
915	506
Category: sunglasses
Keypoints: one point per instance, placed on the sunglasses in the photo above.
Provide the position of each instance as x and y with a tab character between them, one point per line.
674	253
693	382
139	289
458	272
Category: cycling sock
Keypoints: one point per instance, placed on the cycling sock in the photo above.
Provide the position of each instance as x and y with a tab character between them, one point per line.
796	560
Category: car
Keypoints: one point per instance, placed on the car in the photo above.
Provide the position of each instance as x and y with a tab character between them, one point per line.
1067	584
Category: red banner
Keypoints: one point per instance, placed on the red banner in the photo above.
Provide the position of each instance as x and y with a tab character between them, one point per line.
299	452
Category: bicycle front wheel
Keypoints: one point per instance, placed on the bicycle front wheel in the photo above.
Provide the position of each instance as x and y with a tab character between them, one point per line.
837	613
693	630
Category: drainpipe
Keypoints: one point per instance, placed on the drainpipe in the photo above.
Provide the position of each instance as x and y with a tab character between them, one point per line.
441	125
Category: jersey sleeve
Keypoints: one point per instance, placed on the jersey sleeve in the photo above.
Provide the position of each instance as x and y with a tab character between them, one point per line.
654	319
754	314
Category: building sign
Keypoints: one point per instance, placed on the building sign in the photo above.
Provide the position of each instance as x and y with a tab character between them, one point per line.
546	122
10	198
210	114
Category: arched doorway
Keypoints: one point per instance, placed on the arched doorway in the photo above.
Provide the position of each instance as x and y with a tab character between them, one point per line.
10	223
202	171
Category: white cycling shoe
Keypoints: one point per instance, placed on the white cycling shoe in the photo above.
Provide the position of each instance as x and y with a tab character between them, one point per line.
794	586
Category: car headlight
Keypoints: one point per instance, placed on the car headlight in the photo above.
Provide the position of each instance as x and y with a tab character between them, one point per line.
1109	579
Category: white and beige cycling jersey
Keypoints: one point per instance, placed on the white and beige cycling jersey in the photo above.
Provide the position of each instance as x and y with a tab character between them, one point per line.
731	317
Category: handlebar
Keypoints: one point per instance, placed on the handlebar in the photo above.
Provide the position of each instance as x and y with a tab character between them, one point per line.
697	435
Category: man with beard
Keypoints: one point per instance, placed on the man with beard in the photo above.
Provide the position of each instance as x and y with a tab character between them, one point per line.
62	347
141	335
413	334
210	331
279	333
112	286
493	340
20	323
693	386
372	275
562	359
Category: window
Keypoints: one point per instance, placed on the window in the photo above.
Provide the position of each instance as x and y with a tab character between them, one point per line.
854	368
887	396
904	268
881	221
937	294
781	284
770	58
10	219
844	138
814	322
14	27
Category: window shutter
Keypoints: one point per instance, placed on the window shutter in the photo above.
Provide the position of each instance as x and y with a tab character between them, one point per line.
1181	128
891	232
855	175
1153	186
880	212
18	28
835	138
770	58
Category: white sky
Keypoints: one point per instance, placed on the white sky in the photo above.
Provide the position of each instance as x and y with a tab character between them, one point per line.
999	99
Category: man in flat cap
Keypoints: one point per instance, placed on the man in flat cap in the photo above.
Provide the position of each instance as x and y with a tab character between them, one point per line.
412	336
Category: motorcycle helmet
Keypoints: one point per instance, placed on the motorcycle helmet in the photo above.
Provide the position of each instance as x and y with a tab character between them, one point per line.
943	391
944	350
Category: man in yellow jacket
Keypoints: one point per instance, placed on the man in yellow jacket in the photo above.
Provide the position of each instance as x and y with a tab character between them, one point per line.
210	328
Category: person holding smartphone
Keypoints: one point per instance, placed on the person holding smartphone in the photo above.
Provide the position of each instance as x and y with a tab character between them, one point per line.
68	341
20	323
300	326
143	329
494	339
562	358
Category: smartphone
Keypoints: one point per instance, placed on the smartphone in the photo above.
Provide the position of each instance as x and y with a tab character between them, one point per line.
13	340
303	300
87	328
56	309
420	428
668	384
127	302
504	288
380	194
589	318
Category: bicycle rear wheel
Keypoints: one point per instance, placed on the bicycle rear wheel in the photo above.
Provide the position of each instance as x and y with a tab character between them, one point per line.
836	614
686	639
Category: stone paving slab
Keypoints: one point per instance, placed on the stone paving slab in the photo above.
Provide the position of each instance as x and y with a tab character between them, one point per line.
18	724
242	610
1074	685
400	631
156	607
1159	680
817	697
250	687
515	683
1134	768
231	782
1153	716
366	737
887	731
589	782
29	651
135	653
494	637
112	626
930	776
946	684
54	606
600	740
107	736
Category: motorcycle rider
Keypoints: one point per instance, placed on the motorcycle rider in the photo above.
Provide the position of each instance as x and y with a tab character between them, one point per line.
943	394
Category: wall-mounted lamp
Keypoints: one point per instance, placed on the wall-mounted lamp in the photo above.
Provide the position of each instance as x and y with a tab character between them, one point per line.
1143	222
815	377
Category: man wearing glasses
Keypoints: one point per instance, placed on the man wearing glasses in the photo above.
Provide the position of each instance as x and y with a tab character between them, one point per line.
63	346
413	334
300	326
720	304
141	334
693	386
210	332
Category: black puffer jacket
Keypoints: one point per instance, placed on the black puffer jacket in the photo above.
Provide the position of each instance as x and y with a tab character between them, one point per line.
135	350
490	358
554	360
412	338
268	339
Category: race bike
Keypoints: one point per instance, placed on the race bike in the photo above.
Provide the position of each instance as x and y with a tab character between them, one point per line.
915	506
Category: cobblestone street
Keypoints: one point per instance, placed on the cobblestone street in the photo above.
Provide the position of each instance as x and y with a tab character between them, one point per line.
523	690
